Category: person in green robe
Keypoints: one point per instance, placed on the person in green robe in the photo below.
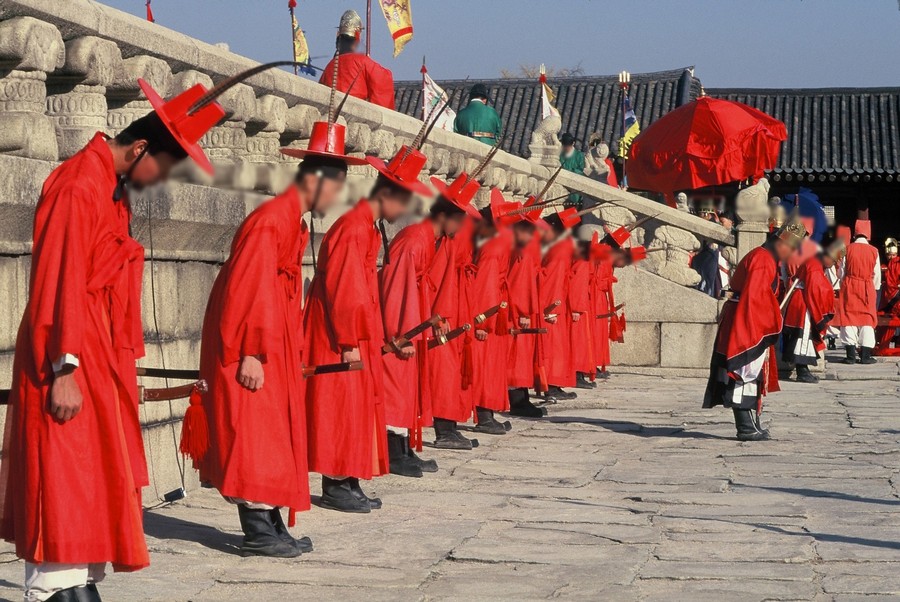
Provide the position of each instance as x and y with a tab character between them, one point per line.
572	160
478	119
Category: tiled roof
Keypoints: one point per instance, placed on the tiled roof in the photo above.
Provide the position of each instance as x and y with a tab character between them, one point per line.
839	131
587	104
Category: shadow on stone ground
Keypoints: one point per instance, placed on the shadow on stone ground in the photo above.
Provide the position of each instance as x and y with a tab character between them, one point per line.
635	429
630	492
167	527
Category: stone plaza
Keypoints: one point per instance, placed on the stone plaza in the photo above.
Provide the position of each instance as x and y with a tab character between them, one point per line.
631	492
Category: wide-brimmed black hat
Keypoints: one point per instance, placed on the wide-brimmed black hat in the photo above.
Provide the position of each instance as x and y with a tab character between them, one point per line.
479	91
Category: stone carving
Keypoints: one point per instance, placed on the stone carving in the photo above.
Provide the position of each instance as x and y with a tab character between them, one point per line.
752	203
24	128
29	49
125	100
545	145
595	158
27	44
752	208
76	94
673	263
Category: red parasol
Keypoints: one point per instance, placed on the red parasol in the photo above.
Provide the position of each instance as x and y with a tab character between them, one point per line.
705	143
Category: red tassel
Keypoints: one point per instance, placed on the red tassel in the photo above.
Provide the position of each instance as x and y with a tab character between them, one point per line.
195	430
150	13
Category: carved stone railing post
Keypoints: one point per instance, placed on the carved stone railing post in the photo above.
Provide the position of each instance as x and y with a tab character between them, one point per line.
124	98
751	206
29	49
76	94
227	142
263	141
545	146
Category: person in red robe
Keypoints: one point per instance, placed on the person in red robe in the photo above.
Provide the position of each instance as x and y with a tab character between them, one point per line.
556	274
524	312
358	74
602	302
490	291
449	368
890	293
408	300
251	354
73	456
809	310
581	335
859	304
342	321
890	283
742	369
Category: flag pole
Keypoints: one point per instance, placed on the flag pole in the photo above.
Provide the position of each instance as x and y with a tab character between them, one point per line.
624	81
424	108
291	5
368	27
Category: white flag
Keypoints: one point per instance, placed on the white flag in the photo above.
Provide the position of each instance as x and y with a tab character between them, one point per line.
433	97
547	98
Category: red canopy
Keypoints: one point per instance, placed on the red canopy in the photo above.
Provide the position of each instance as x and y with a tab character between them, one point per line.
704	143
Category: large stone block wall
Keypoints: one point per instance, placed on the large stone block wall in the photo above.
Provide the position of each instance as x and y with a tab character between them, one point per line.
69	69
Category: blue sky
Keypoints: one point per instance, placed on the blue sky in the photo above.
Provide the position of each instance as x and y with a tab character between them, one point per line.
732	43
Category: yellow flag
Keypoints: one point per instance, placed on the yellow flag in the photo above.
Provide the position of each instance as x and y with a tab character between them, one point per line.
399	20
301	49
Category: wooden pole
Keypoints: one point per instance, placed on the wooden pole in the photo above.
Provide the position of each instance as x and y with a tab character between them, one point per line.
368	27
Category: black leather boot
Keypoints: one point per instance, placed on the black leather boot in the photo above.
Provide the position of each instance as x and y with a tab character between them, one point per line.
558	393
487	424
358	493
261	537
851	355
446	436
425	465
747	428
339	495
84	593
400	463
865	356
304	544
604	374
520	405
805	376
583	382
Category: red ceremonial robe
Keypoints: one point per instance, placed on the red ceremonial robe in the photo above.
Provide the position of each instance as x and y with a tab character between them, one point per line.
890	287
556	274
345	411
463	241
258	439
601	293
858	304
406	299
489	289
581	335
444	365
814	301
748	327
374	82
72	491
523	303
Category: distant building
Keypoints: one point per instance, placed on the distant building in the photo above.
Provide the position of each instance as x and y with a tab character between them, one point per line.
844	143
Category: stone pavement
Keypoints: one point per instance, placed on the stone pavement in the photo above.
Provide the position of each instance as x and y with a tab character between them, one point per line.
631	492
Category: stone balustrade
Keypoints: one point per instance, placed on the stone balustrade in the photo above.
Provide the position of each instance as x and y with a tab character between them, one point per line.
69	69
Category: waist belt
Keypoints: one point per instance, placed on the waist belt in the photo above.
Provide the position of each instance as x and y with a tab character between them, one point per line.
482	135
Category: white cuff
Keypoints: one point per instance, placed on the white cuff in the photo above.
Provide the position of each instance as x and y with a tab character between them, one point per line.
67	359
